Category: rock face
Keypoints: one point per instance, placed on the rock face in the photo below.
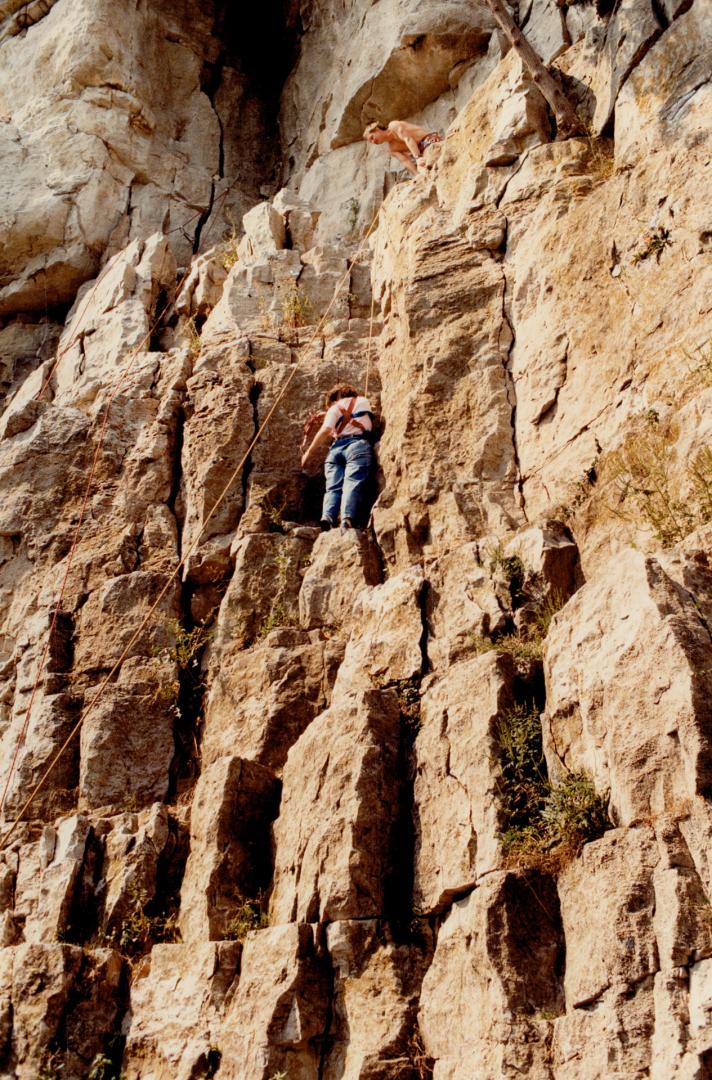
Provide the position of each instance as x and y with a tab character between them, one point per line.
428	799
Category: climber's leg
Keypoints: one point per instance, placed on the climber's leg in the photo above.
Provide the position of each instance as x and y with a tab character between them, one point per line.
359	466
334	473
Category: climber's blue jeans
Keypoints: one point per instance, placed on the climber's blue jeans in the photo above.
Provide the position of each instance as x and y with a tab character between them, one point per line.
348	468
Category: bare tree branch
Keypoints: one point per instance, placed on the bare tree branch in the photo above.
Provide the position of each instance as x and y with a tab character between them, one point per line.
567	122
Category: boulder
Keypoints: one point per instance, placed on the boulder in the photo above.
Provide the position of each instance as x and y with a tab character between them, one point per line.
261	700
387	628
343	562
335	854
131	846
177	1042
608	907
457	817
461	604
375	1016
499	949
666	97
233	807
61	852
126	741
63	1004
278	1016
628	687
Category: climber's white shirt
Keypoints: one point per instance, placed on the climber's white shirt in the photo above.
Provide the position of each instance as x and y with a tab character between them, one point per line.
334	414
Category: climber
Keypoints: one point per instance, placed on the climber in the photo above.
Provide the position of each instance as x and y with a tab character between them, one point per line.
347	425
407	142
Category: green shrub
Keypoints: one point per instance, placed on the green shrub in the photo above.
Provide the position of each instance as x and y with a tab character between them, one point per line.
297	310
194	343
51	1067
512	569
188	644
249	916
524	781
140	929
408	691
282	612
103	1068
522	649
574	812
544	823
641	472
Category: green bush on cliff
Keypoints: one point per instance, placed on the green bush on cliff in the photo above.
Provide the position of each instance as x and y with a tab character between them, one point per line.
545	822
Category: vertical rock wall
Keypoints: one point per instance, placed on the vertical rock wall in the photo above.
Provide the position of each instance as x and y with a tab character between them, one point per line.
285	837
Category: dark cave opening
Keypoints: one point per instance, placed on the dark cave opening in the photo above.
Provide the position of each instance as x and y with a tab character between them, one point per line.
258	48
261	40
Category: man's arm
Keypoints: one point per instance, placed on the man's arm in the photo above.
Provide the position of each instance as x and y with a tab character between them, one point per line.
323	436
406	159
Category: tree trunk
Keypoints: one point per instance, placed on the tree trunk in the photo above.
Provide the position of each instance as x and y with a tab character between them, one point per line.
567	122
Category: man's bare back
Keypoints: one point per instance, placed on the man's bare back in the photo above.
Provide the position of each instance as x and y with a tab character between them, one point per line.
405	141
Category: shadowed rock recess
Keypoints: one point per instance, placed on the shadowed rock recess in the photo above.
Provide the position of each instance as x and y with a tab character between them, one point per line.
431	799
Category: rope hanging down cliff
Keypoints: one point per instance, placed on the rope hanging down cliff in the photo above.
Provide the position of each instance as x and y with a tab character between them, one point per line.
114	389
237	471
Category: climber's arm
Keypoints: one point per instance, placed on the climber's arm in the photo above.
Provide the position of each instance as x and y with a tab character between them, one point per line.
322	437
406	159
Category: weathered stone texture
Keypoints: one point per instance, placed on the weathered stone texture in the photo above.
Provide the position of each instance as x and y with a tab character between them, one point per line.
646	739
277	1021
335	835
494	983
456	806
178	1040
57	995
234	804
307	725
374	1023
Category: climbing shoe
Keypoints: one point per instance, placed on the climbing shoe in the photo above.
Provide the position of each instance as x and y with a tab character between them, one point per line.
347	523
325	524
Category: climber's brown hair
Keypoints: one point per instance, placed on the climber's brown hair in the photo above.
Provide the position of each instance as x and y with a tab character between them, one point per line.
337	392
375	125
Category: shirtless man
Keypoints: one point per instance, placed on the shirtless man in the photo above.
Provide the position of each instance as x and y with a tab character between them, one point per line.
407	142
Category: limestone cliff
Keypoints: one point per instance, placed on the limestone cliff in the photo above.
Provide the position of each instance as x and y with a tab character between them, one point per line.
430	799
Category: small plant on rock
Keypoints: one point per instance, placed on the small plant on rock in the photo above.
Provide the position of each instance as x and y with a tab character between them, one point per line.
141	930
521	649
281	612
511	568
103	1068
353	209
574	812
545	607
276	516
654	243
228	252
641	472
194	344
188	644
524	780
297	310
545	824
408	691
249	916
51	1067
